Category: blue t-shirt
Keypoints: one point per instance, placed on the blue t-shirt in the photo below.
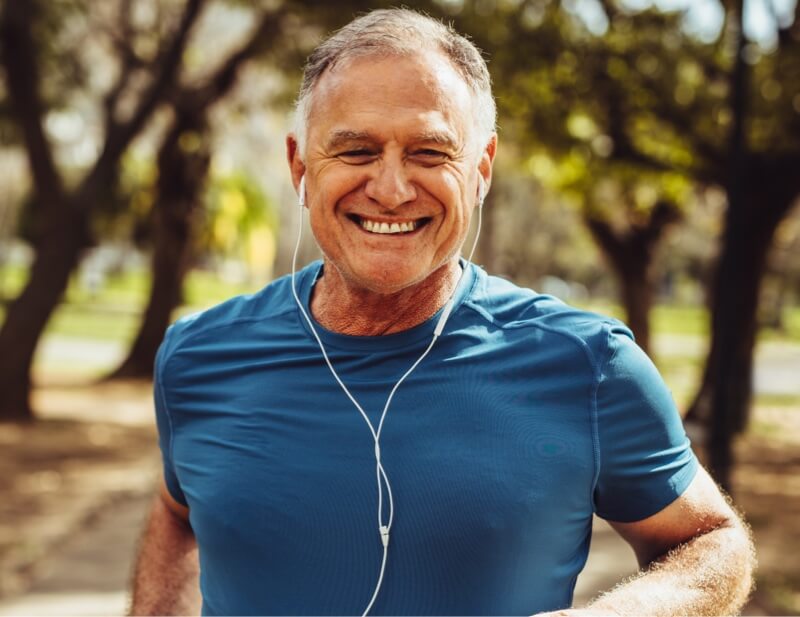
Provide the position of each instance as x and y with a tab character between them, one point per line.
526	417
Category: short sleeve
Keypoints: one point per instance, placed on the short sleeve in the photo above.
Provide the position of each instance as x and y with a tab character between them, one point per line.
645	458
164	421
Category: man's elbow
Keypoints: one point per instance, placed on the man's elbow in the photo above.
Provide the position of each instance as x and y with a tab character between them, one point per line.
741	555
729	576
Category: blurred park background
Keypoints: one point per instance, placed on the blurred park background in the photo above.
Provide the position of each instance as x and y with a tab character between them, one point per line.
649	168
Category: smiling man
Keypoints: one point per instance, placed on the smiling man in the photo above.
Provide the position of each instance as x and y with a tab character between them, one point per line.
393	150
393	431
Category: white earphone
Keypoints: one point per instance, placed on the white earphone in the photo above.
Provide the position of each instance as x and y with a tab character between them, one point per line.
301	191
382	478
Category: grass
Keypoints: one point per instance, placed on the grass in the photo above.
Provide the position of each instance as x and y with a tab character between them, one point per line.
778	400
113	314
767	430
680	363
96	322
671	319
130	290
694	320
790	330
687	320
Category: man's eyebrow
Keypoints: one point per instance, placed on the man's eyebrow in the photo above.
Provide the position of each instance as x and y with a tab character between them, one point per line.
441	138
343	137
346	136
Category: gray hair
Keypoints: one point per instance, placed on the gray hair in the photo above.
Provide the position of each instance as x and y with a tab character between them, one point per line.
398	32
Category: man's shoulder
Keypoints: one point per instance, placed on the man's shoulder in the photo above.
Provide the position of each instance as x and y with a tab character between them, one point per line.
510	306
238	312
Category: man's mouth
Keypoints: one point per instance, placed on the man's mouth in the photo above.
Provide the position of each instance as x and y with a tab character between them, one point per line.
384	227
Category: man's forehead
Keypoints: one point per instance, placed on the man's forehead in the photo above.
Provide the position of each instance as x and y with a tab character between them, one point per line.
363	95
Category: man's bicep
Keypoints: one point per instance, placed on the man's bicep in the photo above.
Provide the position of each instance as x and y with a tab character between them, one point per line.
701	508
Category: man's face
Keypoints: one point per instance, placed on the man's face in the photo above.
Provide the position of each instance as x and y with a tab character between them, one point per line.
391	168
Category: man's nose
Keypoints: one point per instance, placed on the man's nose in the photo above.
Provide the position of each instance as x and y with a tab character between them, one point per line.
390	185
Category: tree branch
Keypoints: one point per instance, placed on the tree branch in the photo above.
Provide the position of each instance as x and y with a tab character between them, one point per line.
783	33
613	244
128	60
797	16
122	134
22	76
663	214
224	78
609	8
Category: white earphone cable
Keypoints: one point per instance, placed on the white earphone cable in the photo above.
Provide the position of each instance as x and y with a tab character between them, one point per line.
382	478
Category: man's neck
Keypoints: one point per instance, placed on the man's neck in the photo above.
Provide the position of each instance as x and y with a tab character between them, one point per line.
342	307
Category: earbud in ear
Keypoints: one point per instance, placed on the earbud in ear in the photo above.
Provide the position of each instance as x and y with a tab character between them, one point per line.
481	190
301	192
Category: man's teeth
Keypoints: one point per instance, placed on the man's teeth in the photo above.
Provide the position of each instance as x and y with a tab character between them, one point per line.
386	228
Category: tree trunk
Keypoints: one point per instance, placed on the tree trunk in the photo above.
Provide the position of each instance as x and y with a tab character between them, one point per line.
721	406
28	315
637	287
169	266
62	229
740	271
699	411
630	261
733	320
631	255
181	179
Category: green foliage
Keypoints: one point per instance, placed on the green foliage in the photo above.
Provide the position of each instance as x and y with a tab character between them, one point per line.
595	104
235	208
12	280
775	97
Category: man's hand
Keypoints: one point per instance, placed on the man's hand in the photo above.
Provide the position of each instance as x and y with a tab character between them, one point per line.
167	569
697	558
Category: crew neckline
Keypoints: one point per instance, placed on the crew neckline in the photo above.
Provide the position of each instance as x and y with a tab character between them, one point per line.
424	331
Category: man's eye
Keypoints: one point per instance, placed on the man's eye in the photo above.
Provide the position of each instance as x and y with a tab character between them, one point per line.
356	157
431	157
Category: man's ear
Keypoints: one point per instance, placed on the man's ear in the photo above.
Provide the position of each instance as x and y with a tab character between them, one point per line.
486	162
296	165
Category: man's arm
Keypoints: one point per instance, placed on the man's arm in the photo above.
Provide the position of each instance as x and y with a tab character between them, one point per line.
697	559
166	576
